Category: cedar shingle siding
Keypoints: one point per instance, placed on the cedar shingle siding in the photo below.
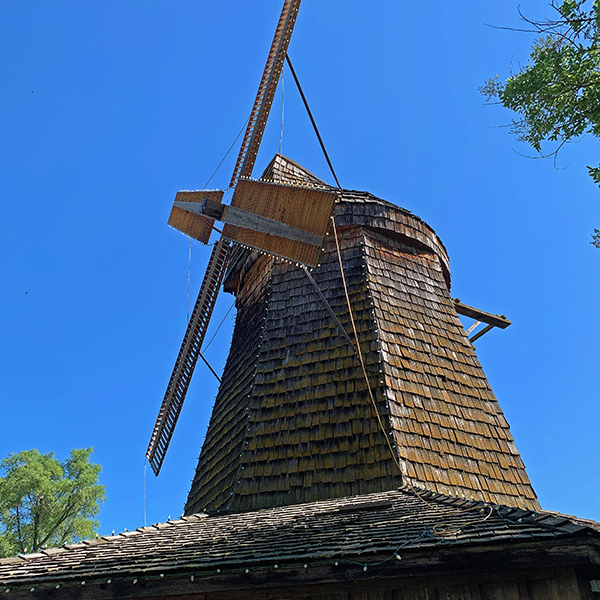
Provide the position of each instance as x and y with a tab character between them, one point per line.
293	421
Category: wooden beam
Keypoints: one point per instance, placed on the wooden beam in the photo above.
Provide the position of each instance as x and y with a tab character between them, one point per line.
480	315
249	220
239	217
473	327
200	204
480	333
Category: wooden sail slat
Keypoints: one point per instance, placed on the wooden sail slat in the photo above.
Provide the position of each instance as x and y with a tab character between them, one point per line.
305	209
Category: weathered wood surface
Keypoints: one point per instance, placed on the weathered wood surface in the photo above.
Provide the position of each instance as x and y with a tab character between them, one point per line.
305	208
295	213
325	541
178	384
196	226
521	584
480	315
245	219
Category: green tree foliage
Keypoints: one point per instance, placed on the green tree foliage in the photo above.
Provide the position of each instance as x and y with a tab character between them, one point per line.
557	94
45	502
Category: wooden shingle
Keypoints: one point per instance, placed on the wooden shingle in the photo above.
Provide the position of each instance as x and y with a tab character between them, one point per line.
293	395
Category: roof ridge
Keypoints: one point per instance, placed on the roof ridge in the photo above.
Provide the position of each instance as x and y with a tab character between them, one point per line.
512	514
579	520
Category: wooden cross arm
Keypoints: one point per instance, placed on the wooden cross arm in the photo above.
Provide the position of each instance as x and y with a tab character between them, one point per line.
239	217
479	315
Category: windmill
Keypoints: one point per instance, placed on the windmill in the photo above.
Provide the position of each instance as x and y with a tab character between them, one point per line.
357	377
284	220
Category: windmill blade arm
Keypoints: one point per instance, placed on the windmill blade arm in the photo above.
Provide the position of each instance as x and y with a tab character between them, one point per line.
183	219
206	207
187	357
266	92
201	228
248	220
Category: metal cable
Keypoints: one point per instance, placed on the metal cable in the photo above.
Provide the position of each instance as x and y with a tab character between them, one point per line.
227	153
219	327
188	281
289	62
328	306
282	110
359	351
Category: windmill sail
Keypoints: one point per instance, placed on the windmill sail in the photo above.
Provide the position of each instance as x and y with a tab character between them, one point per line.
192	342
266	92
187	357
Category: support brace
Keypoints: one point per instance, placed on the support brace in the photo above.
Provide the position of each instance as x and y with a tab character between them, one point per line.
480	316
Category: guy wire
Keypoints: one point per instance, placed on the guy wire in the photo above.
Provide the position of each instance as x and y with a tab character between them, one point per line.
219	327
282	110
289	62
359	351
188	281
227	153
145	470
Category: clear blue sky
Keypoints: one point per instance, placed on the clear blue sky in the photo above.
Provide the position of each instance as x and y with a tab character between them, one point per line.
109	108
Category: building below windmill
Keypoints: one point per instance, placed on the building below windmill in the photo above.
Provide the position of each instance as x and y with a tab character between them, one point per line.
331	469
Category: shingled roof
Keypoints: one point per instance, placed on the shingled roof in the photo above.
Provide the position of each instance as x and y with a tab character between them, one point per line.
293	420
359	534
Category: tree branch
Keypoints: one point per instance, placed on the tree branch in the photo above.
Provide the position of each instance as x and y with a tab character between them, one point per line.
65	513
19	534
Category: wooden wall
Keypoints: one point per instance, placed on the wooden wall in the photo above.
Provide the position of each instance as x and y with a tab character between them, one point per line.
547	584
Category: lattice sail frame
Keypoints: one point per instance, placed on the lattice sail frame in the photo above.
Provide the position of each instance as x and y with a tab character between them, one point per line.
198	324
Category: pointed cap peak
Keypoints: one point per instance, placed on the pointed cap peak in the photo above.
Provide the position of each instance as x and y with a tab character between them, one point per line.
284	170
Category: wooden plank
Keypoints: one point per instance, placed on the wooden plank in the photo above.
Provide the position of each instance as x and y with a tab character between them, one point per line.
481	333
249	220
305	208
199	203
458	582
412	594
239	217
546	589
457	592
567	585
480	315
500	591
196	226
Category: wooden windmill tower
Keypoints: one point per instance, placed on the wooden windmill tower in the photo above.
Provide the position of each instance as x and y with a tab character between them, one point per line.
349	371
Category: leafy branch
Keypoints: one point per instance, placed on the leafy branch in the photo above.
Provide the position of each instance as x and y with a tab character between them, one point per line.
556	96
